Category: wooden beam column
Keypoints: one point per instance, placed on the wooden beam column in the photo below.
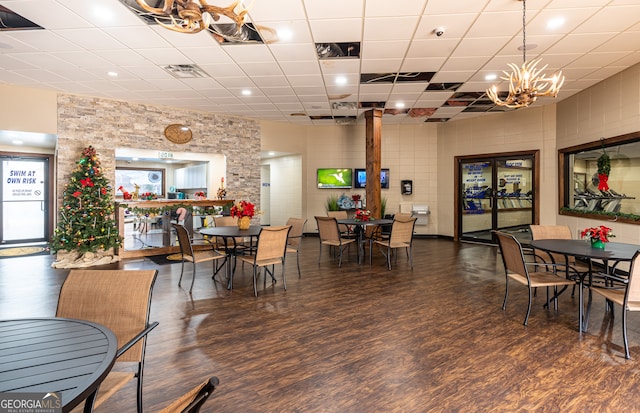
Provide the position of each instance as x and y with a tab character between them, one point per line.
373	153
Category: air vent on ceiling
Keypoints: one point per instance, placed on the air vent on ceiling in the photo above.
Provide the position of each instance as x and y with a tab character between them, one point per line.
338	50
185	71
13	21
345	120
344	105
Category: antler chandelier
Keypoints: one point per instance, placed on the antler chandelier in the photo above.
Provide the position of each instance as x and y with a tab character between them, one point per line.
193	16
526	83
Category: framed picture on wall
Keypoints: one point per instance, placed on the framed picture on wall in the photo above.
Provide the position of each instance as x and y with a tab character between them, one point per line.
148	179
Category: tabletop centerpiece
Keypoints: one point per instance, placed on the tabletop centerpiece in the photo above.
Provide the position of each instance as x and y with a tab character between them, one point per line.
597	235
362	215
199	195
244	211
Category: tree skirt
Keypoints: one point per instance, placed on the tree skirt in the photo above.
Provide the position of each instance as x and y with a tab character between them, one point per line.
71	259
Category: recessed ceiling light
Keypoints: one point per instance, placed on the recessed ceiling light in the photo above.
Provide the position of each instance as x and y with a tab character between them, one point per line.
271	153
491	76
341	80
555	23
17	142
103	13
400	105
135	159
112	74
246	92
285	35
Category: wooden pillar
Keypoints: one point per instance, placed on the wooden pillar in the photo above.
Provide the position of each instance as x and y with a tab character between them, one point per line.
373	146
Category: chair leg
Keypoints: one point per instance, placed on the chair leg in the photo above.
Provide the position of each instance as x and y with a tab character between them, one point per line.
193	279
181	272
624	334
255	286
320	255
411	256
526	319
506	293
298	261
284	279
389	258
139	390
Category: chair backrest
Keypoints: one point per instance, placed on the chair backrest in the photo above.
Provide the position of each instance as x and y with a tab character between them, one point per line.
272	242
402	230
633	289
551	232
297	229
512	254
328	229
193	400
339	215
225	221
402	215
117	299
183	239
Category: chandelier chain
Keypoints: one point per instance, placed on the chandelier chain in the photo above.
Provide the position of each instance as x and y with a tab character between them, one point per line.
524	31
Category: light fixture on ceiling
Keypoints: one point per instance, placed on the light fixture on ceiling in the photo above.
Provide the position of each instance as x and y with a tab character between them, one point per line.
526	83
193	16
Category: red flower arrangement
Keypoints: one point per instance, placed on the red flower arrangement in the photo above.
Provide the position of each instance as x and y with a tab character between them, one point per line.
243	209
362	215
600	233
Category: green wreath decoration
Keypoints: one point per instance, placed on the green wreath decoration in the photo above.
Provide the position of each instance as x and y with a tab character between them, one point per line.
604	164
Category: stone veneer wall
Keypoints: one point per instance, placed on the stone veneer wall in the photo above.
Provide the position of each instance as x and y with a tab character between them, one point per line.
110	124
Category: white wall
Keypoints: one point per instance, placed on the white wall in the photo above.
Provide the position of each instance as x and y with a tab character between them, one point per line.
285	189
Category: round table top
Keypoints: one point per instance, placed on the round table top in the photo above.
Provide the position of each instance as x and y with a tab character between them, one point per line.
49	355
613	251
353	221
231	231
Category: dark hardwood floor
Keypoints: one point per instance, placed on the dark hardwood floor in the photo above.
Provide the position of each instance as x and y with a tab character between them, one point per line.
364	339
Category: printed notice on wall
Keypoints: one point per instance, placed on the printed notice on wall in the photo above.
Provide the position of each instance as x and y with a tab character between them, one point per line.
22	181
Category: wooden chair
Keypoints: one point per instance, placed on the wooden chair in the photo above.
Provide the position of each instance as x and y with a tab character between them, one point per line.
401	237
295	238
192	401
516	269
196	256
329	235
119	300
271	250
628	296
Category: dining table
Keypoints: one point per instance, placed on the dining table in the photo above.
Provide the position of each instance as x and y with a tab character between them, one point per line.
613	254
229	235
360	231
64	359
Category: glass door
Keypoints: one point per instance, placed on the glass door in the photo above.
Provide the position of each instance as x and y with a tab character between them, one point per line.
24	206
496	193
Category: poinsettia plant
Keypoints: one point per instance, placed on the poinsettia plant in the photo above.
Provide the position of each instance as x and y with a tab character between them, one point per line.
243	209
600	233
363	215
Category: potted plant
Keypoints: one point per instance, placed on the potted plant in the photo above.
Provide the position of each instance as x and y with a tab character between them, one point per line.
331	204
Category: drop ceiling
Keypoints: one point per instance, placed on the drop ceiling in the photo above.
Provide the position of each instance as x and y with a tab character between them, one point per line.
75	45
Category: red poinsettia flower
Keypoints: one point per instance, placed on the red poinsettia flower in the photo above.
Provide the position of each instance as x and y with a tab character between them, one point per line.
103	191
77	194
243	209
601	233
86	182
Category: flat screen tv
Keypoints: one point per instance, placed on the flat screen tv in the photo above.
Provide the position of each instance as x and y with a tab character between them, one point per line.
360	180
335	178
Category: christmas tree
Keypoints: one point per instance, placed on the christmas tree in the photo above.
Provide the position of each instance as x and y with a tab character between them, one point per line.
86	219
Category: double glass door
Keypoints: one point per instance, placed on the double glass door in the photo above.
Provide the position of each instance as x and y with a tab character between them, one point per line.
24	208
496	193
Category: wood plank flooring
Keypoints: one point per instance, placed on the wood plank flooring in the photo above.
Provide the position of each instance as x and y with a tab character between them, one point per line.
364	339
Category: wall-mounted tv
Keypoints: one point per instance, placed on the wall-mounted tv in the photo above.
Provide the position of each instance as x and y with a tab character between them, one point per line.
335	178
361	178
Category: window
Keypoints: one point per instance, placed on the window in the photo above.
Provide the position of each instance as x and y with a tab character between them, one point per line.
148	180
602	179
